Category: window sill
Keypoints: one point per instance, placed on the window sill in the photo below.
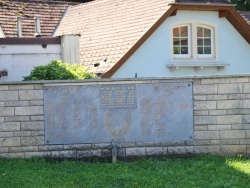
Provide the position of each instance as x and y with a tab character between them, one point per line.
196	66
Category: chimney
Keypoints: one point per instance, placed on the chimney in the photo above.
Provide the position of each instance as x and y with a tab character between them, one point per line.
19	27
37	25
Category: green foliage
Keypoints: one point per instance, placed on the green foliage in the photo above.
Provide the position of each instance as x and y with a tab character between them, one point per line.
202	171
57	70
242	5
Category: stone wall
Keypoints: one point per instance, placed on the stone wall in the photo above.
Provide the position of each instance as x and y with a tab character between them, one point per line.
221	121
222	115
21	120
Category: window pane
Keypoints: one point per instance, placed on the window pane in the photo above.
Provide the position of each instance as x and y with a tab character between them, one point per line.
207	42
184	50
199	32
177	41
176	32
184	41
207	32
184	31
177	50
200	50
207	50
200	42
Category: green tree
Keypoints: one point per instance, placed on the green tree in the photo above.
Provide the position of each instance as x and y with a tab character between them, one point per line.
242	5
57	70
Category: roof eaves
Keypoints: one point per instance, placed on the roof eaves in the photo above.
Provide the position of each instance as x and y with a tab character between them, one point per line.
204	4
241	23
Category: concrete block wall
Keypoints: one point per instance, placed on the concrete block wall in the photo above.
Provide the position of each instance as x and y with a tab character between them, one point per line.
221	121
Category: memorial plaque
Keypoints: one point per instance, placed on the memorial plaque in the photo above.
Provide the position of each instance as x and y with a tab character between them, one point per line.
124	112
118	96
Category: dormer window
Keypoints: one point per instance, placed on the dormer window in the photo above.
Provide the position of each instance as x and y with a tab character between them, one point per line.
193	41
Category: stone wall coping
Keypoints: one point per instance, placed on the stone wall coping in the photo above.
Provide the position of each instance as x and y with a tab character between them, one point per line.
150	79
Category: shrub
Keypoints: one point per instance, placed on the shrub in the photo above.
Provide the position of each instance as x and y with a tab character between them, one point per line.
58	70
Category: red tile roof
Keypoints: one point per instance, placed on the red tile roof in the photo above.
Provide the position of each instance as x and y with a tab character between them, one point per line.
246	16
111	30
50	13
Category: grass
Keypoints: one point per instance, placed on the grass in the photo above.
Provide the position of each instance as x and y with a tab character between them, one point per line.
200	171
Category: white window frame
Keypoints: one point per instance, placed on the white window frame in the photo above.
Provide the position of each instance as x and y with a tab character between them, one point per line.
206	56
189	42
194	56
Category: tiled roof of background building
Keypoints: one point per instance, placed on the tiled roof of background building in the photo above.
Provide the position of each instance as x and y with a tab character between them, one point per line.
50	13
246	16
109	28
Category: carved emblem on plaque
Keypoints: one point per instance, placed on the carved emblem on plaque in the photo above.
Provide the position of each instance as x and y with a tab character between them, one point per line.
122	125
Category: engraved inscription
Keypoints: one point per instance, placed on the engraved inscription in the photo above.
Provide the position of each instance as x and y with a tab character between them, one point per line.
145	113
85	114
160	117
118	96
153	116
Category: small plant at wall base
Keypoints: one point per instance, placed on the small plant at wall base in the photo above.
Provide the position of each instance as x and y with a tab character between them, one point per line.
58	70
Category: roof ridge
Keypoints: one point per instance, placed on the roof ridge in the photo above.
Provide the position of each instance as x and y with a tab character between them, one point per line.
98	1
204	1
87	3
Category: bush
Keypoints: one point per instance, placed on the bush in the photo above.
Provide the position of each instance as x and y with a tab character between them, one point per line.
58	70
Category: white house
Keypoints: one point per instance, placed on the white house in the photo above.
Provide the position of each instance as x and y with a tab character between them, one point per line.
26	29
18	56
124	39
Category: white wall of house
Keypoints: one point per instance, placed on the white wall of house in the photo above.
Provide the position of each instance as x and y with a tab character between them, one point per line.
151	59
70	49
1	33
19	60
